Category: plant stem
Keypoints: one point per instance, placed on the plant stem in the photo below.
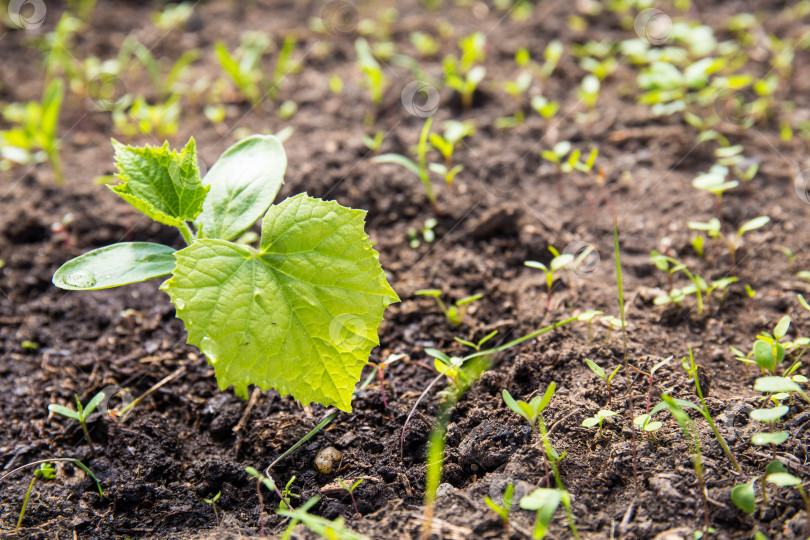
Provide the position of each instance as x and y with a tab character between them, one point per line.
87	436
548	453
25	505
423	172
185	230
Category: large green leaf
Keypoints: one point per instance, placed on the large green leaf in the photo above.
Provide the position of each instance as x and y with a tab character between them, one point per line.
244	182
115	265
300	314
164	184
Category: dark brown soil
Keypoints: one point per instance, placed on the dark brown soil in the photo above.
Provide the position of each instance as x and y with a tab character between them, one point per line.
179	447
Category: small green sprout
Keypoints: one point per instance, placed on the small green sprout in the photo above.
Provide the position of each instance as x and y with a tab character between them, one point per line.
804	274
602	375
463	75
713	229
768	350
650	377
455	313
544	107
267	482
425	44
477	346
213	502
530	411
428	234
545	501
785	479
244	66
173	16
376	81
519	86
380	369
45	472
286	493
644	421
34	135
589	316
611	322
161	119
715	182
598	418
318	525
374	143
588	91
454	132
552	54
559	262
466	84
351	489
420	169
503	509
81	414
770	416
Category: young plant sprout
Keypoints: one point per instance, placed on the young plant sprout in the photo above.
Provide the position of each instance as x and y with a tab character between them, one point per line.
611	322
531	412
380	369
239	303
650	377
714	230
598	418
503	509
213	502
552	54
559	262
270	485
770	416
715	182
455	313
376	81
45	472
81	414
785	479
351	489
420	169
544	107
588	91
589	316
244	66
545	501
605	377
428	234
323	527
454	132
374	143
463	75
33	137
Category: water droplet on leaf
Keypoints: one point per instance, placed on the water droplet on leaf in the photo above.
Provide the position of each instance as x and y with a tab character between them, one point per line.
81	279
180	304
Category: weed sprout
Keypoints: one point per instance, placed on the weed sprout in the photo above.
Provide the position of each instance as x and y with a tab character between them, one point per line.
599	417
455	313
80	414
604	376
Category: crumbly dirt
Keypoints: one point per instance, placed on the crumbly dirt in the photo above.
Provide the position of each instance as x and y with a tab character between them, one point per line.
179	446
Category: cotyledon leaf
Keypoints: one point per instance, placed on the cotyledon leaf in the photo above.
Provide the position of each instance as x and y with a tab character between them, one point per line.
115	265
300	314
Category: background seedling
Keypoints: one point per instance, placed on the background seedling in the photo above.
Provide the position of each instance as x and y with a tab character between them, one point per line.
559	262
454	132
589	316
321	526
503	509
45	472
602	375
714	230
375	79
650	377
455	313
380	369
428	234
598	418
784	479
81	414
351	489
544	107
213	502
611	322
244	66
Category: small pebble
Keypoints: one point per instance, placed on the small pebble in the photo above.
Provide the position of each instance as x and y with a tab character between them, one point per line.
327	459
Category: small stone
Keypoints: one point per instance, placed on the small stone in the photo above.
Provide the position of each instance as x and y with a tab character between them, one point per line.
327	460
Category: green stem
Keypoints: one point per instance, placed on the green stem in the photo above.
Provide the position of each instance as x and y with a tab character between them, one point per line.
56	165
530	336
87	436
555	470
25	504
185	230
423	172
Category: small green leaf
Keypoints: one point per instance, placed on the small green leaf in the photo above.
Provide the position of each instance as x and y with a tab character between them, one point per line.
769	415
115	265
596	369
743	496
761	439
804	303
510	402
300	314
781	327
605	414
92	404
398	159
536	264
63	411
753	224
547	397
526	410
545	501
243	184
163	184
783	479
775	384
775	466
590	421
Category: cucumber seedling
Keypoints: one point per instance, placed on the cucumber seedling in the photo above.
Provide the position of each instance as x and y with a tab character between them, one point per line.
81	414
559	262
455	313
308	299
598	419
604	376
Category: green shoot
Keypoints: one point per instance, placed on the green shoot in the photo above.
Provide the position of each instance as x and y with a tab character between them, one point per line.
611	322
553	54
714	182
266	481
589	316
374	143
428	234
454	132
213	502
46	471
81	414
321	526
380	369
650	377
559	262
173	16
598	418
545	108
455	313
692	436
602	375
376	81
244	66
34	135
545	501
351	489
714	230
286	493
784	479
161	119
421	169
238	302
463	75
588	91
530	411
503	509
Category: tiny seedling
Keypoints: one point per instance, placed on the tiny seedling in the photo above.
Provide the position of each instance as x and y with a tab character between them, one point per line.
463	75
597	419
380	369
374	143
455	313
545	107
559	262
428	234
713	229
545	502
321	526
173	16
267	481
420	169
81	414
213	502
351	489
503	509
33	137
604	376
785	479
715	182
611	322
588	91
241	304
454	132
589	316
45	472
161	119
376	81
531	412
650	377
